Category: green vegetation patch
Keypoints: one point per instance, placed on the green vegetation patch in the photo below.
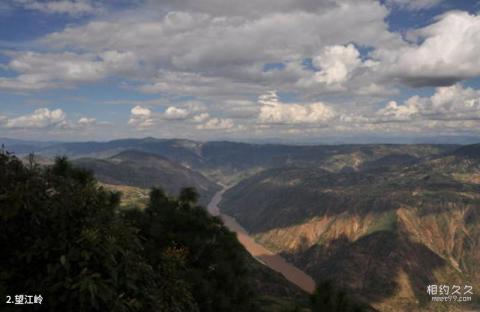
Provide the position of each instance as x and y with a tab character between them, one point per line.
385	222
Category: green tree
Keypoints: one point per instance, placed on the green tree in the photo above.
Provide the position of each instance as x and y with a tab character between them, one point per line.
62	238
328	298
215	264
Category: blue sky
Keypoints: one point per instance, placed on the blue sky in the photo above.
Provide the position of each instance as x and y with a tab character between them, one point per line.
309	70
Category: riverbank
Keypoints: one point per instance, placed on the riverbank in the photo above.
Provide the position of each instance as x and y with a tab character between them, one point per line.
265	256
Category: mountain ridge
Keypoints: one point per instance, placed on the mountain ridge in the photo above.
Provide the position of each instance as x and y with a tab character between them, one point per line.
145	170
401	227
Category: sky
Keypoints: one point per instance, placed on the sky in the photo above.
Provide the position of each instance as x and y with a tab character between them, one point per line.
251	70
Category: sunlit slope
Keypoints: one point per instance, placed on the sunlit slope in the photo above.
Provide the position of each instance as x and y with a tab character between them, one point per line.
384	231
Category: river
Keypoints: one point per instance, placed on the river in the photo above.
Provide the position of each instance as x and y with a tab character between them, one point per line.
265	256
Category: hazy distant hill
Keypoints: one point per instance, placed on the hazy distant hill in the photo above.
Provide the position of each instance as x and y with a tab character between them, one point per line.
383	231
224	160
24	146
135	168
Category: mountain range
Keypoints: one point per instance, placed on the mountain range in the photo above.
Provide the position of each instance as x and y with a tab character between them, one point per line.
382	221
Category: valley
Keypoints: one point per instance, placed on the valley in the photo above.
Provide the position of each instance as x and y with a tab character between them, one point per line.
383	232
380	221
259	252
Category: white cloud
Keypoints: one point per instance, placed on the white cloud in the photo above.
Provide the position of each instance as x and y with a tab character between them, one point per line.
181	83
239	109
447	103
273	111
23	83
376	89
141	117
44	118
453	102
336	64
141	111
175	113
394	112
85	121
71	7
47	70
219	48
338	68
224	53
199	40
447	52
217	124
40	118
201	117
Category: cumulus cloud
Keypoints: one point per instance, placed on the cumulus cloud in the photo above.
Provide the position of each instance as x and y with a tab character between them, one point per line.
394	112
447	52
224	53
215	48
239	109
85	121
217	124
174	113
44	118
447	103
201	117
338	68
221	47
198	40
453	102
40	118
275	112
213	51
141	117
210	54
141	111
336	63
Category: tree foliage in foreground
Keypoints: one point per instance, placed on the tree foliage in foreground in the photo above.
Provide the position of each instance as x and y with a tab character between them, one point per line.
63	237
328	298
214	260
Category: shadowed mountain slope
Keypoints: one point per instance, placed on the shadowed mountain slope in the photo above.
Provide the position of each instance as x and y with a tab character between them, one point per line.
470	151
139	169
384	232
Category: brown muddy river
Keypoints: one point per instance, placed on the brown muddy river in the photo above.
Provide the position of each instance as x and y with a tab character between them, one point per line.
265	256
